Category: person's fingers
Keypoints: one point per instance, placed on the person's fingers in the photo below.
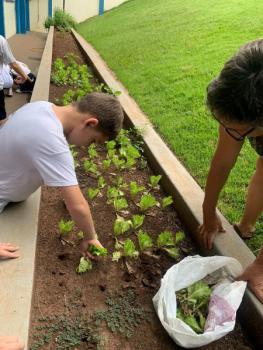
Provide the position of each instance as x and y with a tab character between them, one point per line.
8	254
9	246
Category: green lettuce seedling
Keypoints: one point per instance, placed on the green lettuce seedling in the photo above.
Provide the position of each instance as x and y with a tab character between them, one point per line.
121	225
120	203
92	151
65	226
165	239
173	252
137	221
135	189
145	241
116	256
167	201
98	251
90	166
84	265
179	237
147	201
106	163
129	249
154	181
92	192
101	182
110	145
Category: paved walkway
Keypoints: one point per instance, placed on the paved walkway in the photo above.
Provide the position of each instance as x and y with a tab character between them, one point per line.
28	49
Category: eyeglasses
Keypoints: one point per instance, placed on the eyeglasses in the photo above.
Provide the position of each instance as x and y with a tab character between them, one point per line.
234	133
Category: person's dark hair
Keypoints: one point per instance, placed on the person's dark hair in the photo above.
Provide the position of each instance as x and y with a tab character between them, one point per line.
106	108
237	93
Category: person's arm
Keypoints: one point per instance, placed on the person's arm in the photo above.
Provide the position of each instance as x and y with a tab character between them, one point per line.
223	161
8	251
19	70
80	213
10	343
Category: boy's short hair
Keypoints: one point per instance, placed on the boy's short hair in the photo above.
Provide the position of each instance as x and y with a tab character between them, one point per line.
237	93
106	108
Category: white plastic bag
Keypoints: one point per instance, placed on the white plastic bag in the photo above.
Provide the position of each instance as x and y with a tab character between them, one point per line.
224	301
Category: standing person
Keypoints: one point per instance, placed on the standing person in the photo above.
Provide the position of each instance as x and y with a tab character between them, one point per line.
6	57
8	251
235	99
34	151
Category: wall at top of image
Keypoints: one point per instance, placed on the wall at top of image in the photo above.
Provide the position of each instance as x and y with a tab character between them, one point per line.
10	19
38	10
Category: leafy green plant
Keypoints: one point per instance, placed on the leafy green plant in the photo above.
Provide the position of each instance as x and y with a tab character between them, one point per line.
167	201
121	225
147	201
113	193
65	227
61	20
98	251
129	249
154	180
92	151
179	237
165	239
84	265
116	256
80	235
90	166
120	203
145	241
193	305
106	163
118	162
92	192
110	145
135	188
137	221
173	252
101	182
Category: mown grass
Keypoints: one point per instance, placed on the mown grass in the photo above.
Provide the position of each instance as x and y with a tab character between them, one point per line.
165	53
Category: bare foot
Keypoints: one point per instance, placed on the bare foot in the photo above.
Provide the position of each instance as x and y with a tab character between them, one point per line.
10	343
8	251
254	275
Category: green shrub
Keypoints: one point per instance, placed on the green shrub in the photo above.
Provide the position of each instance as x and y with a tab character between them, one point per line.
61	20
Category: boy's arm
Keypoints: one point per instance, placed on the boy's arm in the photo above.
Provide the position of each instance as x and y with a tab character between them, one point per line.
19	70
223	161
80	213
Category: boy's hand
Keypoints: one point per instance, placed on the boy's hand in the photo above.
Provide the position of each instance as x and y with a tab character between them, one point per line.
8	251
10	343
208	230
85	245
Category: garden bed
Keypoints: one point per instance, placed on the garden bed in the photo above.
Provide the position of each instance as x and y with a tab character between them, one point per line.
127	285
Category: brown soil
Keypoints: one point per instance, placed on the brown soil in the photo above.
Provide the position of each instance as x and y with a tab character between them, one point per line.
59	290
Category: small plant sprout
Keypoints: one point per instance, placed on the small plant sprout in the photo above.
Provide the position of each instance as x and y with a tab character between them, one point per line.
118	162
116	256
165	239
92	192
106	163
80	235
113	193
179	237
129	249
84	265
167	201
135	188
154	181
111	153
121	225
120	204
173	252
65	227
145	241
92	151
137	221
98	251
120	182
101	182
147	201
91	167
110	144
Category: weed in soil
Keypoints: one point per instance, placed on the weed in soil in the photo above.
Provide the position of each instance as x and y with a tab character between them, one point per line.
122	315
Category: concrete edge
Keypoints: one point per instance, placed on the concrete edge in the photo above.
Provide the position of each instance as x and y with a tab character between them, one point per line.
187	194
19	224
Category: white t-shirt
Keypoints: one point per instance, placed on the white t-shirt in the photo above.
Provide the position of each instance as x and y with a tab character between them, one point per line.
6	57
33	151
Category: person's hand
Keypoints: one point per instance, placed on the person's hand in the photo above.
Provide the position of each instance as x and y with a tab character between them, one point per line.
253	274
19	80
8	251
10	343
85	245
208	230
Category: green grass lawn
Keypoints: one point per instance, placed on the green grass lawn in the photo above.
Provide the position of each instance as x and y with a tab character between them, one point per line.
165	53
